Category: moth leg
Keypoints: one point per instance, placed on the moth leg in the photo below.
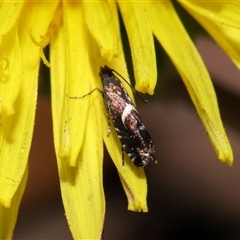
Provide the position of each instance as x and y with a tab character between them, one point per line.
89	93
122	157
108	118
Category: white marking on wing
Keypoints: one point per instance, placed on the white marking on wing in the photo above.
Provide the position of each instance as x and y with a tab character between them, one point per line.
127	110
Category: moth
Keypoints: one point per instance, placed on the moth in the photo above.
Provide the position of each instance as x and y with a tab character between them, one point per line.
135	139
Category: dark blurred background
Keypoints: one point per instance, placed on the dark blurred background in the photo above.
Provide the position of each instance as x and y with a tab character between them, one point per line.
191	194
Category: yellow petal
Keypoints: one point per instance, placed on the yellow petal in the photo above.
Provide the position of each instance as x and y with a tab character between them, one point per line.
8	216
224	26
172	35
77	124
132	178
11	72
221	12
16	130
98	18
82	186
78	81
9	14
142	45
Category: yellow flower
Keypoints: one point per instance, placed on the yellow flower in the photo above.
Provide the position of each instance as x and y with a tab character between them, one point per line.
84	35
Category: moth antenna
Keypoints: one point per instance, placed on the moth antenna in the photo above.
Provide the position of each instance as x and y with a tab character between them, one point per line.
134	90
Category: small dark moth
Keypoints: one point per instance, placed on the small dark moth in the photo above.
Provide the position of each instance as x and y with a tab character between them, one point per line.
130	129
